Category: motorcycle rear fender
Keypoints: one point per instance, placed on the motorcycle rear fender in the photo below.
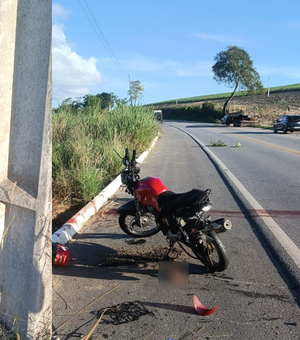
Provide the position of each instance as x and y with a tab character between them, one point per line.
127	208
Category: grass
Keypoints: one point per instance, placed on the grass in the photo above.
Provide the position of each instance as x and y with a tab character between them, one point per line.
267	127
218	143
286	88
206	112
237	145
14	333
83	160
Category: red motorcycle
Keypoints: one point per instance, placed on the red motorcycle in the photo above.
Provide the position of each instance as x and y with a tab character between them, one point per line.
179	216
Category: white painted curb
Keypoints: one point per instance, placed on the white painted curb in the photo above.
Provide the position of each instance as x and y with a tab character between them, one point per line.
64	234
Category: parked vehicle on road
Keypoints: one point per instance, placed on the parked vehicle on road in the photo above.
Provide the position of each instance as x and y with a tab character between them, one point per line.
158	115
238	118
180	217
287	123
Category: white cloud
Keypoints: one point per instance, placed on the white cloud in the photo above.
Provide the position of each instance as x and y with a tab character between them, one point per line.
168	67
195	69
295	24
219	38
142	64
73	76
288	71
59	12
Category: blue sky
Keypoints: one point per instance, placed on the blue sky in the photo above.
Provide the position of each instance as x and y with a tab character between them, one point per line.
168	45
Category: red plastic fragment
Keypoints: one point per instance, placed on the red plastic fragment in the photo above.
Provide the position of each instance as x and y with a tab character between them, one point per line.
200	309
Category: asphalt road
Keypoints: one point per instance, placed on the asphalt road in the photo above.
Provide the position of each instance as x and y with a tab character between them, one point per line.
255	186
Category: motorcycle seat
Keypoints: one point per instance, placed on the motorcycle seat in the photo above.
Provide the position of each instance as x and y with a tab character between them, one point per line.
169	201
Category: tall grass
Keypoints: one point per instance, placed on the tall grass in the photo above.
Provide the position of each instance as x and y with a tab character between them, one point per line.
83	159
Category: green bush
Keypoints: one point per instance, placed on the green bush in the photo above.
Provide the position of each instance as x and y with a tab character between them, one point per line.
204	113
83	160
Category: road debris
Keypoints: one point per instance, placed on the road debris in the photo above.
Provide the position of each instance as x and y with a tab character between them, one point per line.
148	336
136	242
95	326
200	329
200	309
126	312
98	298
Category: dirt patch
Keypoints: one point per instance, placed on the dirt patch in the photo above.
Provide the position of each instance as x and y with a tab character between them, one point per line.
140	257
61	213
267	109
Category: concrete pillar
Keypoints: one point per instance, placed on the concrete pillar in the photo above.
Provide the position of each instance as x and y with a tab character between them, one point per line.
25	166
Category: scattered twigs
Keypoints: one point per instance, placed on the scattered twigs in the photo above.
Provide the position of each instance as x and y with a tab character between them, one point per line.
148	336
96	324
98	298
200	329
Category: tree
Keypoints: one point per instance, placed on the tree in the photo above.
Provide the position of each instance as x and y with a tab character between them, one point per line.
234	68
106	100
135	91
91	101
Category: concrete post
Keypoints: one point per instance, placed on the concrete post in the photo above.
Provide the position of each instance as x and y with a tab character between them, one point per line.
25	166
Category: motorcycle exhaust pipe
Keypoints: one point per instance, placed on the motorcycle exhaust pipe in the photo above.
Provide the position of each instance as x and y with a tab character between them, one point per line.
221	225
227	225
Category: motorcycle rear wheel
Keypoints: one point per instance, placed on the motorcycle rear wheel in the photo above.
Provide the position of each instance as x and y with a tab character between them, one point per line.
128	224
215	258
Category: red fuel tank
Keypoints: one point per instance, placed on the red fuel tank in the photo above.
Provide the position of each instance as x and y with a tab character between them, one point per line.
148	190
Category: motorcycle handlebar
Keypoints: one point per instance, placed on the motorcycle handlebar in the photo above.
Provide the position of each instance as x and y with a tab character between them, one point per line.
126	158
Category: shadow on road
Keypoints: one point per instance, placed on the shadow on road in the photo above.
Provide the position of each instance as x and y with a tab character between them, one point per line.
172	307
249	133
204	126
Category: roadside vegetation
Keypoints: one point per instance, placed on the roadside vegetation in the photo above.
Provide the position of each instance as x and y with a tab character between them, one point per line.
206	113
84	139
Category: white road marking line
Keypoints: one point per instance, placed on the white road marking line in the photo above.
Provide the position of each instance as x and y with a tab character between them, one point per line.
289	246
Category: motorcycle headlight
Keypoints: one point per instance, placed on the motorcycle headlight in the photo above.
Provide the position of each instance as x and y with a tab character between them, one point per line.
207	207
124	176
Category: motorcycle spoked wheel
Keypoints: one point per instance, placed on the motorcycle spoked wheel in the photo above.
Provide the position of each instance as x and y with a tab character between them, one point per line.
128	224
215	257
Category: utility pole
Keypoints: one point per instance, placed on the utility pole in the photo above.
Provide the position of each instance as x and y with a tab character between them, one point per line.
25	168
268	86
176	97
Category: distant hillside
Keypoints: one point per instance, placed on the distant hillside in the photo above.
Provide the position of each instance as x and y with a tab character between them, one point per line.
286	88
282	100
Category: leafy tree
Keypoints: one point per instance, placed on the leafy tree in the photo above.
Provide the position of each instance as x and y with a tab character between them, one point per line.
234	68
69	105
120	102
135	91
106	100
90	101
77	104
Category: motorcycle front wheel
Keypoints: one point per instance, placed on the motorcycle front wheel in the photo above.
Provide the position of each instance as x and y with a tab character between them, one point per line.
214	257
148	226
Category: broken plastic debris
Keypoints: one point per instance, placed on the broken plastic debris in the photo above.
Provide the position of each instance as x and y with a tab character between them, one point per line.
200	309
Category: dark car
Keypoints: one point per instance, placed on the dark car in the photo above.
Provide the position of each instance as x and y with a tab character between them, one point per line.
287	123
